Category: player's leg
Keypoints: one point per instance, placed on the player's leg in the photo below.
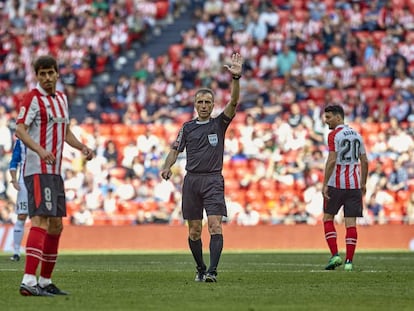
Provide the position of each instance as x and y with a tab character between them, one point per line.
331	208
215	207
51	244
216	245
196	247
18	230
352	209
351	238
192	209
34	251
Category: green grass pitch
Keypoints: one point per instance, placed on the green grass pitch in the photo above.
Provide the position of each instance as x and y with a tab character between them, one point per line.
247	281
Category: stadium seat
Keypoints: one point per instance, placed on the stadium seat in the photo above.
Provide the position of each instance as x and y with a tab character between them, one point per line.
330	4
352	92
378	36
370	128
363	35
283	17
402	196
386	93
371	94
297	5
358	70
83	77
409	35
101	63
56	41
383	82
366	82
120	129
278	82
121	141
105	130
410	5
398	4
231	185
254	196
336	93
162	9
300	15
321	58
175	52
317	94
110	117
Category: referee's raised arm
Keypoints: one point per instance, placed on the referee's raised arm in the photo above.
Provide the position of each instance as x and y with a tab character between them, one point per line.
235	69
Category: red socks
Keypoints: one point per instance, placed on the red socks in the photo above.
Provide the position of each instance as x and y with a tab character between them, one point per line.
351	241
41	246
34	249
50	252
330	236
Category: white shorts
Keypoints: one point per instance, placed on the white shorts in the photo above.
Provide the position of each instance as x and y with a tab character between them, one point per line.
21	203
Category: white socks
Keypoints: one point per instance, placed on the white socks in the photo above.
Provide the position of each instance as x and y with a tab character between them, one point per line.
30	280
18	232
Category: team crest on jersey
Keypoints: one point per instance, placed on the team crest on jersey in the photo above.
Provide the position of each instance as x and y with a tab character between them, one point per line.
49	205
213	139
21	112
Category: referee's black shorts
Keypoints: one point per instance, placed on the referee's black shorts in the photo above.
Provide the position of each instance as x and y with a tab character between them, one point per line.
203	191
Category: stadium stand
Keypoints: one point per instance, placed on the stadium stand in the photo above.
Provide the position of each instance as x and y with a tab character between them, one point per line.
274	159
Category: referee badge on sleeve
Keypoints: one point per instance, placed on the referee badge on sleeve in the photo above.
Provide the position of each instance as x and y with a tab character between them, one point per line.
213	139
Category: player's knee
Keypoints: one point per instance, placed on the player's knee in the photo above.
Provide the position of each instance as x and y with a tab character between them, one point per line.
214	228
22	217
55	227
195	234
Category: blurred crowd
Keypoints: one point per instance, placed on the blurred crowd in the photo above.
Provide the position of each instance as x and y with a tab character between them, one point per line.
300	56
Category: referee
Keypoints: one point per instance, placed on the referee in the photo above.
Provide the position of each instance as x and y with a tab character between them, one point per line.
203	186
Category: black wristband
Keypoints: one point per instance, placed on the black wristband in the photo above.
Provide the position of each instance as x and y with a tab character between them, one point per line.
236	77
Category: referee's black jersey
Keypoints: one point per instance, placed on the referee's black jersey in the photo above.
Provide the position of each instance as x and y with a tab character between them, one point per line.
204	144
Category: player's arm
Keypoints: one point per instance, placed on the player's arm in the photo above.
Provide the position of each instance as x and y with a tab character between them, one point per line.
14	163
329	167
75	143
169	162
236	70
364	172
23	135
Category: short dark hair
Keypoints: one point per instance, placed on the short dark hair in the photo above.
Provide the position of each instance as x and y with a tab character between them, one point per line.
45	61
335	109
204	90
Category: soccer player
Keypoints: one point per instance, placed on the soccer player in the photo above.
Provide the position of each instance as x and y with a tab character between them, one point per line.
16	162
203	186
43	126
344	183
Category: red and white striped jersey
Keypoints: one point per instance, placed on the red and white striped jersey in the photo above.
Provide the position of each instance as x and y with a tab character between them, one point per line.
47	118
349	146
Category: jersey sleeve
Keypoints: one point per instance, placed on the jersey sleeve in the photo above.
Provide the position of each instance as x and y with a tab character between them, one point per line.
331	142
179	143
16	156
28	109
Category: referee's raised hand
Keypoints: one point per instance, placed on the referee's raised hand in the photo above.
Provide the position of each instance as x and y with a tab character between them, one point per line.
236	65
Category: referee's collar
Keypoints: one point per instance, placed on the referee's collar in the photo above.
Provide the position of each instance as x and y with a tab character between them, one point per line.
202	122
